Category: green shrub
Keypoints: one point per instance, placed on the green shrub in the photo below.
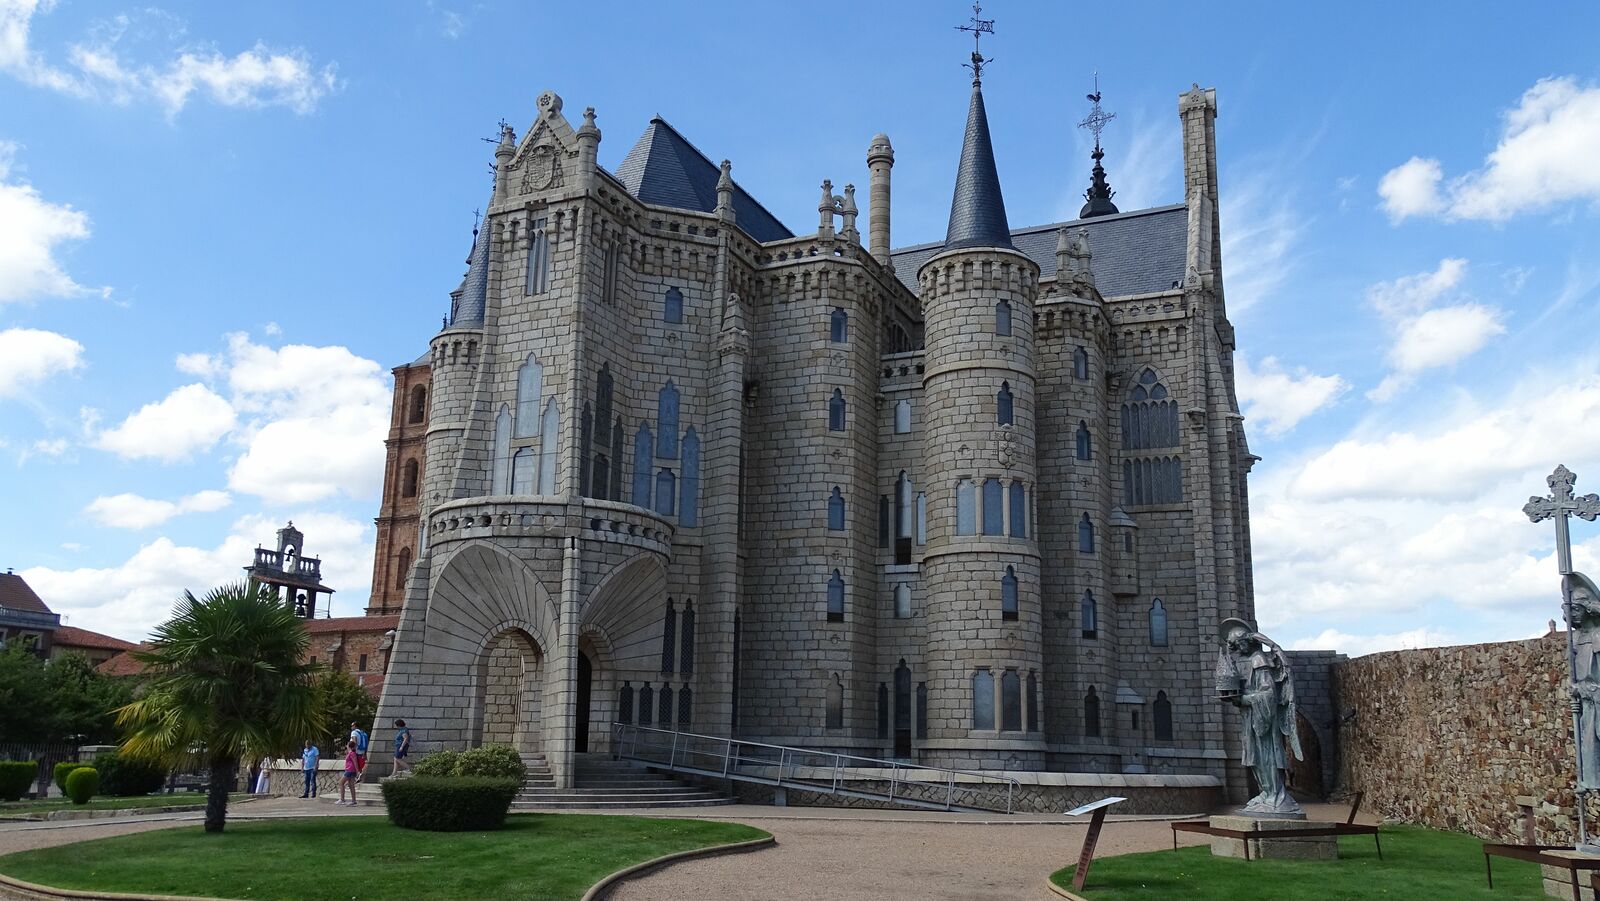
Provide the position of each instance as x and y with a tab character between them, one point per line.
457	804
16	777
61	771
438	763
83	783
122	776
492	761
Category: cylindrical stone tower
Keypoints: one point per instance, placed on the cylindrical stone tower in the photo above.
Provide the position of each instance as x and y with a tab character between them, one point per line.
880	159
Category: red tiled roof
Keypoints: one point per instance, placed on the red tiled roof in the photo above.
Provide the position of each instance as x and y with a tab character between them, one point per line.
16	594
352	624
122	665
71	636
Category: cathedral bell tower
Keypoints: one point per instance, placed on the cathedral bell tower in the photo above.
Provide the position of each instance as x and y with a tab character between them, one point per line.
289	568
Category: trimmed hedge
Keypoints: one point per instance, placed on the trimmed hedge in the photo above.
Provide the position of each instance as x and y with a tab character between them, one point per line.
438	763
493	761
16	777
61	771
83	783
122	776
457	804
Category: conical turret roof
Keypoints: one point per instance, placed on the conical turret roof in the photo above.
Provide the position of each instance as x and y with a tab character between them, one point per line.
474	297
978	210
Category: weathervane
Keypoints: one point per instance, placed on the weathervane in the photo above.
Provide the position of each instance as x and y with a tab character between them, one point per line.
979	28
1097	118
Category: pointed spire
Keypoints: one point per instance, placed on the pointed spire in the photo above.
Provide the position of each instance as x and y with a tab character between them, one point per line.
978	210
467	310
1099	194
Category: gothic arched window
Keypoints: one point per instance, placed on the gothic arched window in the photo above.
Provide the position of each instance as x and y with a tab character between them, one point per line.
1010	701
404	569
836	411
524	471
838	326
618	439
1158	624
647	699
902	600
689	507
1003	414
419	404
835	709
966	508
500	478
408	484
835	598
625	703
1085	442
1091	714
993	507
1088	615
1150	415
667	422
1080	363
836	510
1085	535
538	280
983	699
530	384
686	640
902	697
902	417
883	711
669	639
1002	318
1008	594
685	707
644	464
922	518
1018	501
672	306
1033	702
1163	717
664	711
547	447
666	492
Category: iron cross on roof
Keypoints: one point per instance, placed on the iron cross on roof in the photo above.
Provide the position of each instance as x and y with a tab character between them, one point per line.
1559	506
978	28
1097	118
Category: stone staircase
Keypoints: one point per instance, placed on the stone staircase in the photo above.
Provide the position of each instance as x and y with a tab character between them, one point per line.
603	783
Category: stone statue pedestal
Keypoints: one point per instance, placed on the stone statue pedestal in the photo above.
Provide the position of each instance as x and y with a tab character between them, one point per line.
1558	880
1320	847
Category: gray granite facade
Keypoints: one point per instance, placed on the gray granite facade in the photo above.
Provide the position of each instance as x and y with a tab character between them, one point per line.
803	492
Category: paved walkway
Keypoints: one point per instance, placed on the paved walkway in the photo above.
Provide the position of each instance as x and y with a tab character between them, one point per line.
838	854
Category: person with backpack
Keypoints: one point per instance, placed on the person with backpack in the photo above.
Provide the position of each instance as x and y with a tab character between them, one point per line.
358	743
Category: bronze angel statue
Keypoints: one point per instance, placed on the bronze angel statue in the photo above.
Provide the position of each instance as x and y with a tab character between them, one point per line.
1253	675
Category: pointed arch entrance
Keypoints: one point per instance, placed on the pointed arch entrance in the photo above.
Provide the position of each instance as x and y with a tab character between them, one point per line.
620	641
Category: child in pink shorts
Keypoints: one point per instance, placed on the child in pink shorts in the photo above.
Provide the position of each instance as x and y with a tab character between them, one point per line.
352	769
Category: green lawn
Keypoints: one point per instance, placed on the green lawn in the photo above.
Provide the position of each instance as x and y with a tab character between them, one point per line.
184	799
536	856
1418	865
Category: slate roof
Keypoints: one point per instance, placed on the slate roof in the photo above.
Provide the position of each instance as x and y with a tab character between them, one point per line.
468	309
73	637
1139	252
15	594
977	209
664	169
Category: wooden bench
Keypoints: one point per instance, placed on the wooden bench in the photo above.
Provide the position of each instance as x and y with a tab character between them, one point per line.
1539	854
1348	827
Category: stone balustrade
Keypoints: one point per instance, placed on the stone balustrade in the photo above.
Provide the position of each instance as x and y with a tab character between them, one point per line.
520	517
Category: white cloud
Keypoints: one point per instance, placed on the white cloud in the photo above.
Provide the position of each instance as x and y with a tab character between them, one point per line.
29	356
129	598
1278	398
1359	645
190	419
1424	336
256	77
1545	156
1427	515
32	230
1150	170
1260	232
130	511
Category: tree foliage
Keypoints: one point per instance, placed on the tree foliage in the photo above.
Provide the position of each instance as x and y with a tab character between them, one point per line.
224	679
61	700
342	701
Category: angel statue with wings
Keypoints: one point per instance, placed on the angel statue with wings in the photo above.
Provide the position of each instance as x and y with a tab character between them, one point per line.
1253	675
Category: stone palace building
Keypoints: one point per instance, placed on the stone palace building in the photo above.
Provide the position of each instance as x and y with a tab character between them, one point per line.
976	503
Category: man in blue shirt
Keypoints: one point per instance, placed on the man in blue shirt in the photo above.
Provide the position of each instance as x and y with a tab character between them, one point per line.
308	763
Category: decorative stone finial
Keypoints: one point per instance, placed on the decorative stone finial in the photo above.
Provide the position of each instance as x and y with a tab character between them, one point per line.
725	192
847	208
549	103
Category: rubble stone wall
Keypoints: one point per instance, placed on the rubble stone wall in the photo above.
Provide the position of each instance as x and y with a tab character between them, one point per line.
1474	738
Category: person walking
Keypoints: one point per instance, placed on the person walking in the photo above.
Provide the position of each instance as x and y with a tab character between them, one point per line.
308	763
352	772
402	747
358	742
264	777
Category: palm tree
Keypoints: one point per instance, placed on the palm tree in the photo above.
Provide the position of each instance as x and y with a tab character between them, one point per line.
224	678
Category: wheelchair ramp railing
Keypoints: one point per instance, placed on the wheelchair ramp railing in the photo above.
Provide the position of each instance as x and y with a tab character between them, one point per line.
811	770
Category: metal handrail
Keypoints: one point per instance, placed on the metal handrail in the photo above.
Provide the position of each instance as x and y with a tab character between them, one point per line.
626	741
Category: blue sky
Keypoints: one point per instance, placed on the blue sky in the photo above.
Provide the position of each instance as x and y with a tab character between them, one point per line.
221	225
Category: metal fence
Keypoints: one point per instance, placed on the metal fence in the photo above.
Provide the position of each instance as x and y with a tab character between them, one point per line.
47	756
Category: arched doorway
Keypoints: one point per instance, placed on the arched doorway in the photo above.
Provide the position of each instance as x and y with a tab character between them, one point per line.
1305	776
580	738
511	692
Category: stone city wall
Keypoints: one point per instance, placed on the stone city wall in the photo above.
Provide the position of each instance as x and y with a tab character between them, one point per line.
1474	738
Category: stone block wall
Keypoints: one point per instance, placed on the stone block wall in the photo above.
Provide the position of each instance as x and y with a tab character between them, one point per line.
1453	737
1313	693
